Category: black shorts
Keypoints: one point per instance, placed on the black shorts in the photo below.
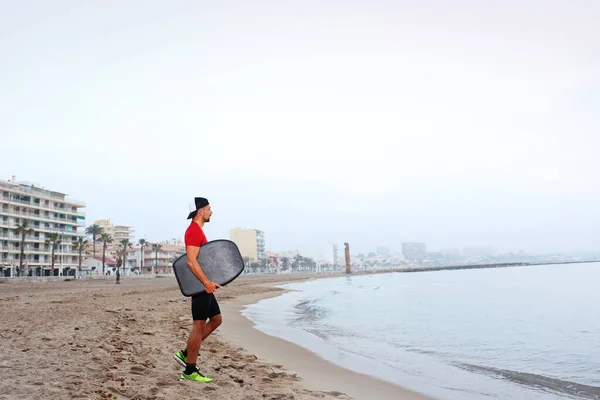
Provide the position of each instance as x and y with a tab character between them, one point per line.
204	306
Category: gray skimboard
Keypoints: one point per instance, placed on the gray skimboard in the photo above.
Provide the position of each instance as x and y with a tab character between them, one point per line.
220	260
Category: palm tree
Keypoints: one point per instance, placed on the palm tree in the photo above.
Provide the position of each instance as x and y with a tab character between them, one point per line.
94	230
23	229
143	243
105	238
246	264
53	239
296	263
124	244
263	264
81	244
156	248
285	263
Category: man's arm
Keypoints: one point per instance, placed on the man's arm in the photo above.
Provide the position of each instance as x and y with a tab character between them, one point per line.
192	262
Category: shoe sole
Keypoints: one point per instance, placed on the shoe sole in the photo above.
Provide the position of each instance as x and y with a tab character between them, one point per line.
179	360
181	379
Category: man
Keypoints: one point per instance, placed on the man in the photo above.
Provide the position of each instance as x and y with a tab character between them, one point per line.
204	305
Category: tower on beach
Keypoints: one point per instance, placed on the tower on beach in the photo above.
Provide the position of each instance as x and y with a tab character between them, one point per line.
347	251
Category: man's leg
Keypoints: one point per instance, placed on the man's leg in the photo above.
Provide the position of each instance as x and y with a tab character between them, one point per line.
214	313
200	311
211	325
194	341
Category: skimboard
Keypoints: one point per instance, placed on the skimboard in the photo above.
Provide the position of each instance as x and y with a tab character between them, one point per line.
220	260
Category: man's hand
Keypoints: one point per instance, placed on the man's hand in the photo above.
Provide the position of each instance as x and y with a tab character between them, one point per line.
211	287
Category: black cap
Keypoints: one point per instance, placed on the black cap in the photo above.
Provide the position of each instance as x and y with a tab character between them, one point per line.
201	202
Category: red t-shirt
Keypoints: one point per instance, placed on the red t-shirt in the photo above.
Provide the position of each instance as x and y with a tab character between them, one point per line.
194	236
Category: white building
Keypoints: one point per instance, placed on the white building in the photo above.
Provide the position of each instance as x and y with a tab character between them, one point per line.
331	254
118	232
289	254
46	212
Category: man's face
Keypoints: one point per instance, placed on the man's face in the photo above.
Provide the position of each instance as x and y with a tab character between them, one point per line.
206	213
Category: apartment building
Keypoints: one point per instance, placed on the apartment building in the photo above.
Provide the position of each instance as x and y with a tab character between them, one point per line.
251	243
117	232
46	211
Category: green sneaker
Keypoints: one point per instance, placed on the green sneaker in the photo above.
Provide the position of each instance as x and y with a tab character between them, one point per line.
180	358
194	376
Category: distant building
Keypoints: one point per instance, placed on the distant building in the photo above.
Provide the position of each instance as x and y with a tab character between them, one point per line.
118	232
414	251
93	266
47	212
331	254
479	251
434	258
273	257
122	232
451	251
289	254
383	251
160	261
397	258
251	243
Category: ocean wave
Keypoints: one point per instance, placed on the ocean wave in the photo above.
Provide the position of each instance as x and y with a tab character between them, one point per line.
545	383
309	312
365	287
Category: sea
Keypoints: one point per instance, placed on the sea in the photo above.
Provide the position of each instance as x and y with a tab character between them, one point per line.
530	332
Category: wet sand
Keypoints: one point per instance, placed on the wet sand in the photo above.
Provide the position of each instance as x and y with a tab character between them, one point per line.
93	339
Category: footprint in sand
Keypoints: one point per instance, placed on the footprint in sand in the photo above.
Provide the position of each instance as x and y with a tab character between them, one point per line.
137	370
337	394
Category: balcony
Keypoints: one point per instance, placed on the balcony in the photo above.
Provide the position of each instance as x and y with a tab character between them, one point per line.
16	201
66	210
40	192
34	251
63	232
33	216
28	239
17	237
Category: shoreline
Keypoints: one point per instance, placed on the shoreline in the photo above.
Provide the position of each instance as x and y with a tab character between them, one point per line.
317	373
319	275
99	340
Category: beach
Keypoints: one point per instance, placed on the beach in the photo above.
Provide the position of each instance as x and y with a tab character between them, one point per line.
95	339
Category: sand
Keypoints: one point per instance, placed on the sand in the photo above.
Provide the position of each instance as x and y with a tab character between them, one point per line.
93	339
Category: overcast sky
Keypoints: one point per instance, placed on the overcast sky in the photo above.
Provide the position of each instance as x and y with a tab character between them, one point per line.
456	123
